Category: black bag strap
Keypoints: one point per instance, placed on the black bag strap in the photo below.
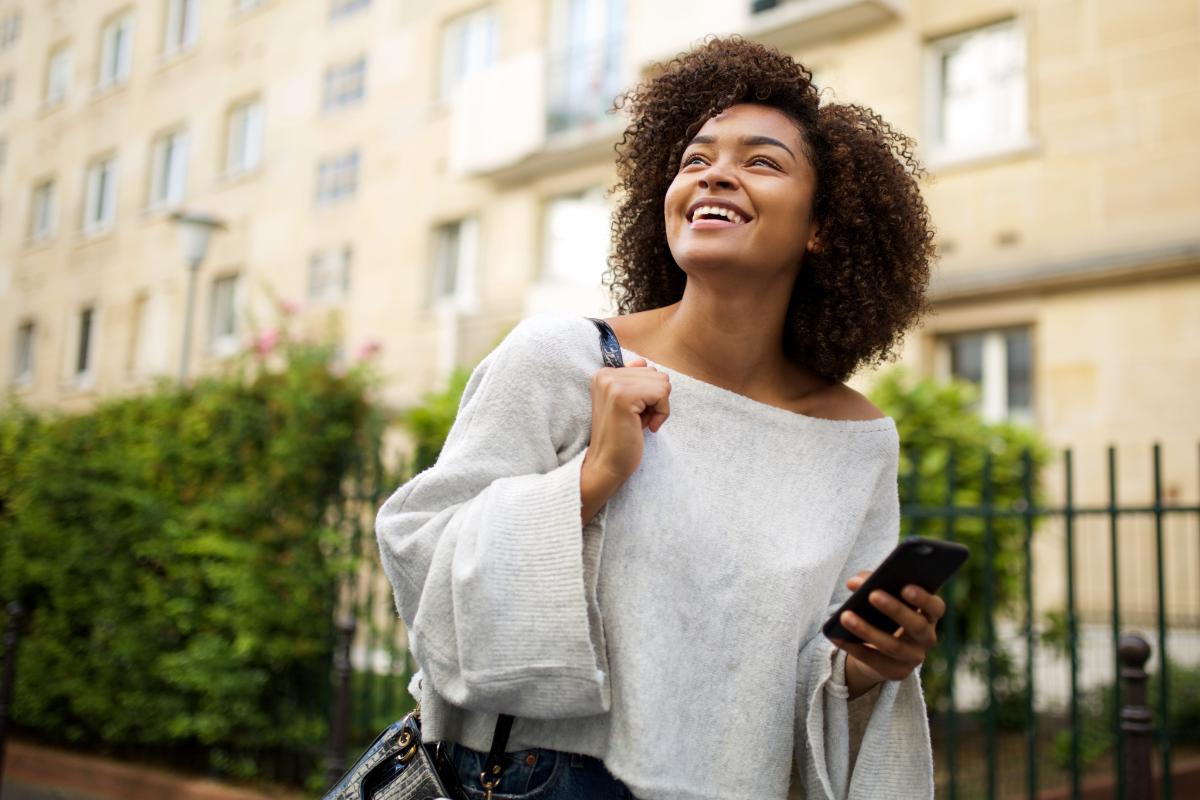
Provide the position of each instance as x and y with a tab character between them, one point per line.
610	352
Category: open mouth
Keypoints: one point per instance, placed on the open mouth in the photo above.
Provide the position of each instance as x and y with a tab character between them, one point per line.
715	216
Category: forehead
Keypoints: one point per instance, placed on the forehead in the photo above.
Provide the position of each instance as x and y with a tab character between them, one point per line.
754	119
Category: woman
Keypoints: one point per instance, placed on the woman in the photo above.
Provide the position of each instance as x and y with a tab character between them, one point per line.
636	562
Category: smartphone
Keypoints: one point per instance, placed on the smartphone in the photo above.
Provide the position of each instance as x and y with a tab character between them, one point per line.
927	563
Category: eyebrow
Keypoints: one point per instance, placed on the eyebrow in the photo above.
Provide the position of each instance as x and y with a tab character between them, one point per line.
746	140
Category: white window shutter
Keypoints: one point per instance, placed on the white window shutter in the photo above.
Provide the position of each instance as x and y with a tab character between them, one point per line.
253	143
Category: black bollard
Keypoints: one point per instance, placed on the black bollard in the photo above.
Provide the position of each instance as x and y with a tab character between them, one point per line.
11	635
339	721
1137	726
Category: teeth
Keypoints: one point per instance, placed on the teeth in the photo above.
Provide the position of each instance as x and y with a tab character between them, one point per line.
727	213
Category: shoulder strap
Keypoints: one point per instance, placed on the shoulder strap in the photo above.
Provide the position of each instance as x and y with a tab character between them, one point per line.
610	348
610	351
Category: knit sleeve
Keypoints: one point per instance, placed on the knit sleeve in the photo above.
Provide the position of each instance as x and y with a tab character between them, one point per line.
494	575
894	757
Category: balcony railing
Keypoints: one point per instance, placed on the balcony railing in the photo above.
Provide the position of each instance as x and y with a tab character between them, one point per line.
581	83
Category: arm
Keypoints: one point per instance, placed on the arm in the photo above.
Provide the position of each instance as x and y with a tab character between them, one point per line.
493	572
894	757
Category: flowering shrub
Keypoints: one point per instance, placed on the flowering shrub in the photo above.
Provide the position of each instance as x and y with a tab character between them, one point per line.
175	553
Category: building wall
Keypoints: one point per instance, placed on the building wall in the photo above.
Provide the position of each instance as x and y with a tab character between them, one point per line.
1089	233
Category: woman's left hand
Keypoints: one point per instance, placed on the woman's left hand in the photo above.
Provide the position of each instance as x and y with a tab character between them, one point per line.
888	656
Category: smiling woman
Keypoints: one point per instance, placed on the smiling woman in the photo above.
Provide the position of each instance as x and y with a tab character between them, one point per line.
870	238
635	562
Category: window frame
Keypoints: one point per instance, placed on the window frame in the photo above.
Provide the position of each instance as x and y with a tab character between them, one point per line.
243	117
59	54
338	178
174	143
995	364
181	27
939	153
121	61
84	348
334	93
105	195
43	210
463	295
447	83
25	353
224	343
548	273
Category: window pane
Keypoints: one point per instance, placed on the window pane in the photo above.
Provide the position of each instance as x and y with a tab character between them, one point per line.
982	89
1020	369
966	357
24	360
83	354
577	238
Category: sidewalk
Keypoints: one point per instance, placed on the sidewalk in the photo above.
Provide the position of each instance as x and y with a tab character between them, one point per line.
33	772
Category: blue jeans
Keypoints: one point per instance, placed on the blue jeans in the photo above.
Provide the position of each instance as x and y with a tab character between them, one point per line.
539	774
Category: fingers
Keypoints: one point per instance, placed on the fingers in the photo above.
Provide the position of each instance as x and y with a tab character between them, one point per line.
916	627
857	580
897	647
932	606
887	667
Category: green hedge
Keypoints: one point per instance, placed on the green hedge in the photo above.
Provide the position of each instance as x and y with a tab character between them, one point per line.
175	552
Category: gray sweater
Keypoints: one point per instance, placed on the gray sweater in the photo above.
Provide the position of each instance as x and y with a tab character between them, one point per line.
676	636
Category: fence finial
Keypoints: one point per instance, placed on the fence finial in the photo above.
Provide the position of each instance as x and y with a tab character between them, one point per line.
1137	726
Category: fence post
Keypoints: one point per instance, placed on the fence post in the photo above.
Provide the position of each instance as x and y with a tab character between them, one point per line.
1137	727
339	723
11	635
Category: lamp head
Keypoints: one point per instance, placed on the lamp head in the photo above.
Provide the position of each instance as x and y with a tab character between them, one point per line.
195	230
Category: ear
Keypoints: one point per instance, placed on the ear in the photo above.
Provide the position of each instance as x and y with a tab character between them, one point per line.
814	239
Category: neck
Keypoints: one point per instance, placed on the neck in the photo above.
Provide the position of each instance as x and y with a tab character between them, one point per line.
733	339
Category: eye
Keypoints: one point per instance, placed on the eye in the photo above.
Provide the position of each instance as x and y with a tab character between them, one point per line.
764	160
693	158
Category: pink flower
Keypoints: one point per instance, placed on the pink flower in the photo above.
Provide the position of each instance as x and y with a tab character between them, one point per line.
370	348
265	342
289	308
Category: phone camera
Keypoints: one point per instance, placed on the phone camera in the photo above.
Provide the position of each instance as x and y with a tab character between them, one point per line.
925	550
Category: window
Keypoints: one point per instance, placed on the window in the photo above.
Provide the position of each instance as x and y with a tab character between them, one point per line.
58	76
242	6
42	211
337	178
456	252
6	91
24	355
182	25
469	44
85	344
100	197
168	169
585	74
977	92
244	146
222	320
341	8
1000	363
329	274
577	238
345	84
116	50
10	30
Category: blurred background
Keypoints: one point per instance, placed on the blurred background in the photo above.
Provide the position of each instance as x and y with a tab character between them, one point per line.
199	190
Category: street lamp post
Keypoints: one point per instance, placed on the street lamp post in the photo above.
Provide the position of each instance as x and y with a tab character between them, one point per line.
194	230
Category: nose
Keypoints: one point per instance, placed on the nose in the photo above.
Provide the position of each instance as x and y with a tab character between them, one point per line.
719	176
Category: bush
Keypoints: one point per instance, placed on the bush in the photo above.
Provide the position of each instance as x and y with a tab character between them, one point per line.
174	552
937	421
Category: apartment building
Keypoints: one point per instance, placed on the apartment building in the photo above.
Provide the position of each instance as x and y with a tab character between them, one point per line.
427	173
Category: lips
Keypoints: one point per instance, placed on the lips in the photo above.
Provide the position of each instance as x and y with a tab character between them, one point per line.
711	209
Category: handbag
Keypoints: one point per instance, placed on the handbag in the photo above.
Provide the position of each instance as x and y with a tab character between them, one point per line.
399	765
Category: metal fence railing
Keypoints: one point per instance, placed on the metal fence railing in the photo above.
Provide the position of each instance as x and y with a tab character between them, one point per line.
1024	691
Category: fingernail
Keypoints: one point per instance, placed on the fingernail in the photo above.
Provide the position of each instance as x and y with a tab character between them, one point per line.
849	618
879	598
910	592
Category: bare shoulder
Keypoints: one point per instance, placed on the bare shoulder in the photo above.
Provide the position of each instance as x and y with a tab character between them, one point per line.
633	330
840	402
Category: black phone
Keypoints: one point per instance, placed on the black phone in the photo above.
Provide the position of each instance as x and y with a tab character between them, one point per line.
927	563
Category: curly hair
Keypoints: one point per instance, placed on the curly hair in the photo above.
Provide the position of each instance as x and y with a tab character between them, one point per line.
865	284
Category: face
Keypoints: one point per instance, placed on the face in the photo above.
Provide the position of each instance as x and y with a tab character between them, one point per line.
743	195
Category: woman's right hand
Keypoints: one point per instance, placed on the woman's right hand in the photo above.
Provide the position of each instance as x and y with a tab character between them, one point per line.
625	401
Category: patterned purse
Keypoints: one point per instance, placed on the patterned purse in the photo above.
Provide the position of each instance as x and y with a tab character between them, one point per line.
399	765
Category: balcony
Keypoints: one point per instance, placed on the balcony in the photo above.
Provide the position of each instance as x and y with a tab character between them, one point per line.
788	24
536	113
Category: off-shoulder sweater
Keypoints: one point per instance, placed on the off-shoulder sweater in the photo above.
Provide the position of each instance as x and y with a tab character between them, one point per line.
675	636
